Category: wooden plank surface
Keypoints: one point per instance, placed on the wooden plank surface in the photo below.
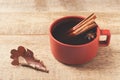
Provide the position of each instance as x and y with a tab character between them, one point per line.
59	5
105	66
26	23
39	23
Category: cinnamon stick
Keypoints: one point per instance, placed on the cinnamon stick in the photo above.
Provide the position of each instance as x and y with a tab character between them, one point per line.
92	16
84	25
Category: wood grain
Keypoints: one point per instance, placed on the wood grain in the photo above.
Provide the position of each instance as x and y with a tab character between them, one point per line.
105	66
59	5
27	22
39	23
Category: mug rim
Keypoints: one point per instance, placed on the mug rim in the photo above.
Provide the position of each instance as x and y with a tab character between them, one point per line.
70	45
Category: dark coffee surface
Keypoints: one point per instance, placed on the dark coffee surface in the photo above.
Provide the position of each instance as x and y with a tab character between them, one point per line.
60	29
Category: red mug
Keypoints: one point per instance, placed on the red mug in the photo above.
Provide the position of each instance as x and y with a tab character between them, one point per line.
76	54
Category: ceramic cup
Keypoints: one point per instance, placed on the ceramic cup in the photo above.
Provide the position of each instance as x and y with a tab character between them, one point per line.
76	54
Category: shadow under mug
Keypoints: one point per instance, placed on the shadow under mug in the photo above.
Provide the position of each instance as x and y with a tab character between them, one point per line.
76	54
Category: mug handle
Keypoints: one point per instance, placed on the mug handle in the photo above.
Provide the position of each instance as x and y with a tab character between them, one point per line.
107	41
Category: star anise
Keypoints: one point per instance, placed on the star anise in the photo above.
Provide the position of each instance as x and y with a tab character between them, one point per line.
90	36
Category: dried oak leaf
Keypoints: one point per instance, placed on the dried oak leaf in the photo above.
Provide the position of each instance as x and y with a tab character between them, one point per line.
28	57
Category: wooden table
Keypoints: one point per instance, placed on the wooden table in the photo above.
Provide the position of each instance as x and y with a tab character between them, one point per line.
21	23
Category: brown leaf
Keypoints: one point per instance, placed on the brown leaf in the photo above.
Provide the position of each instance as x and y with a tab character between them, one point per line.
28	55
